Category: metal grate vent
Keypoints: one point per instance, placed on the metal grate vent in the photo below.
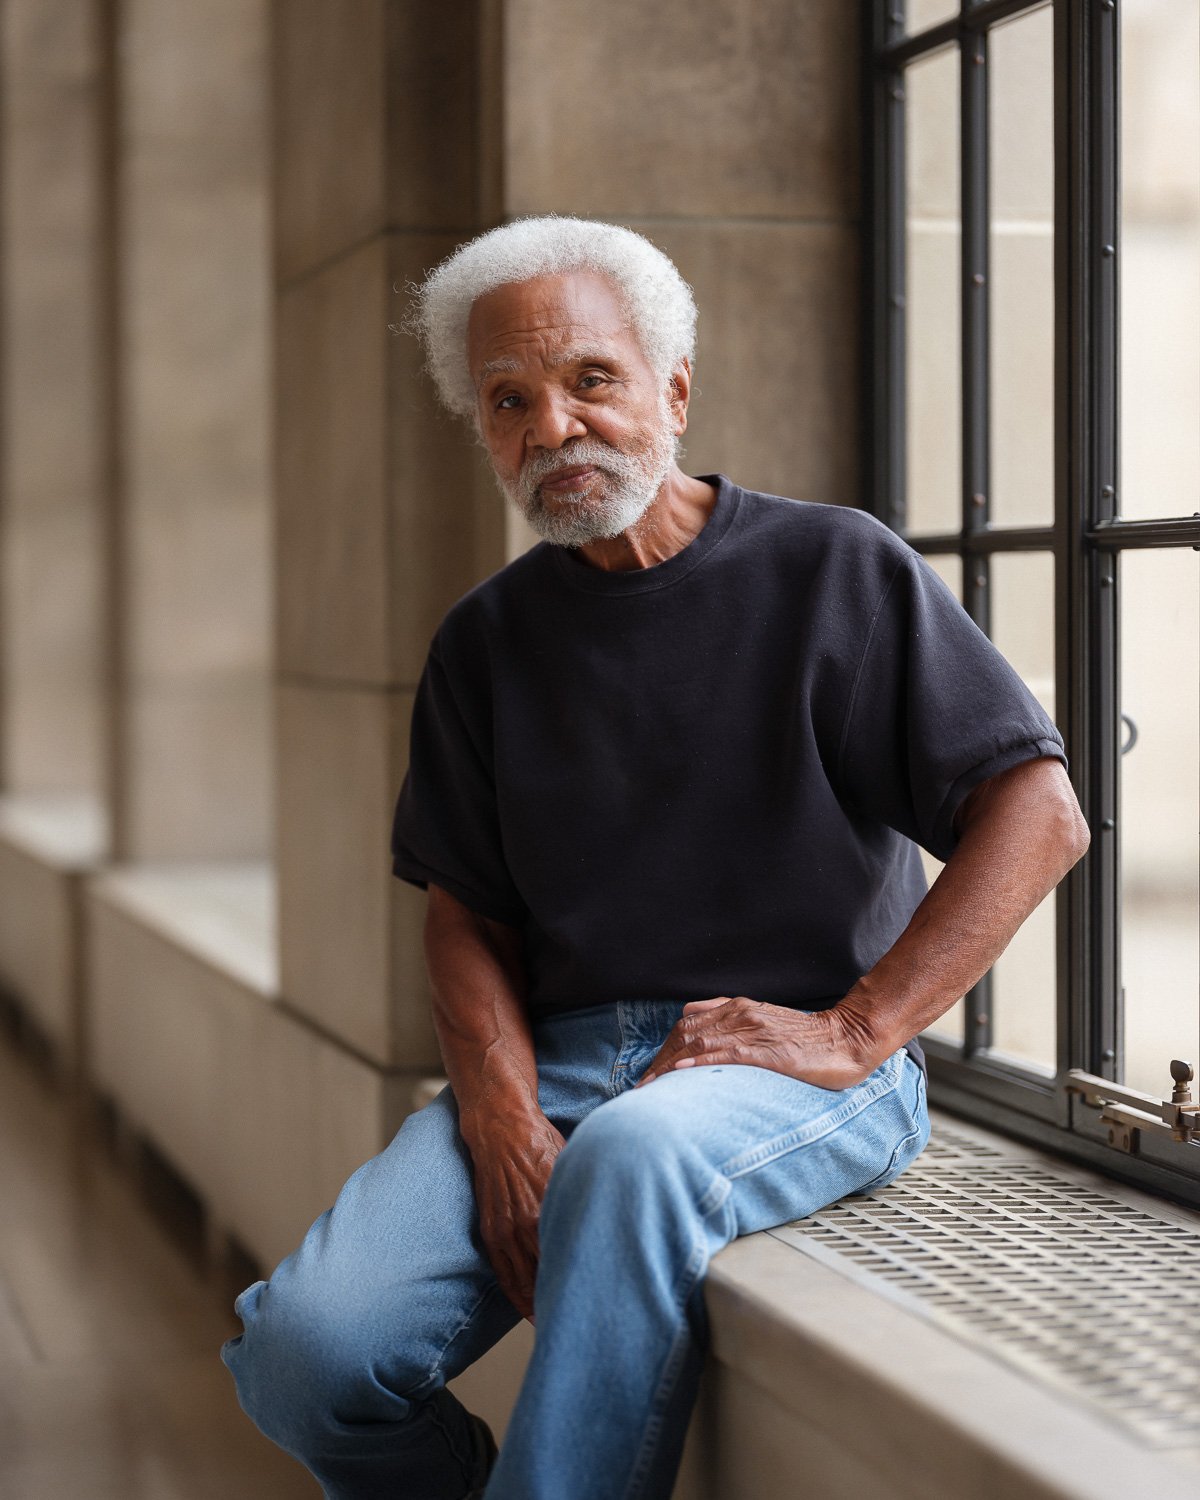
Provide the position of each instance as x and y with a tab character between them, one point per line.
1090	1294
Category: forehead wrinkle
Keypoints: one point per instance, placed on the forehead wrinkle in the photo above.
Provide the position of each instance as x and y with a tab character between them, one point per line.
580	354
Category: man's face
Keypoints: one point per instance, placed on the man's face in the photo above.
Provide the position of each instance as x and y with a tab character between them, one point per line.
578	426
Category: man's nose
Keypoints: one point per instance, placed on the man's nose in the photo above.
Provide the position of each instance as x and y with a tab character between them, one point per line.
552	423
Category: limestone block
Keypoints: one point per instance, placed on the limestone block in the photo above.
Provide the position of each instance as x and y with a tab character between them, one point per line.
39	944
195	312
199	587
443	116
330	90
775	399
158	1021
198	766
331	482
50	585
682	109
53	733
298	1114
50	186
263	1115
381	122
196	330
48	844
385	514
350	932
50	91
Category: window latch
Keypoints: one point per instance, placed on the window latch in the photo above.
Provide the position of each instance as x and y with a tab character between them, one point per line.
1127	1111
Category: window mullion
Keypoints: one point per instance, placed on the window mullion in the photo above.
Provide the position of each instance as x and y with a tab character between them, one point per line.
976	457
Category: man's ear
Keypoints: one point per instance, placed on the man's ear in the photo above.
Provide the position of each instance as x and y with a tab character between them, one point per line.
679	393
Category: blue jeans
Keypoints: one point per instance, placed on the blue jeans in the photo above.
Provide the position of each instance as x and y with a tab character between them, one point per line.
348	1346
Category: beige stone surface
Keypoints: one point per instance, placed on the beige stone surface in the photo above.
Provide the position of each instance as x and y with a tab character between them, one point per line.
331	145
774	403
350	932
385	512
50	564
50	585
195	308
897	1395
443	126
263	1115
156	1021
682	109
39	944
383	120
198	765
48	844
331	561
199	588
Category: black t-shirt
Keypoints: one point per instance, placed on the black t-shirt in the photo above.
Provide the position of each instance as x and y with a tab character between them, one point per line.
707	777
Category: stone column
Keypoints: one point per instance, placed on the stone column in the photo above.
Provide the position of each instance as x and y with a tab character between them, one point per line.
385	159
51	583
193	752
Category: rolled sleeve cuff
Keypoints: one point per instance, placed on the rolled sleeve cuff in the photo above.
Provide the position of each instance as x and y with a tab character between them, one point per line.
945	840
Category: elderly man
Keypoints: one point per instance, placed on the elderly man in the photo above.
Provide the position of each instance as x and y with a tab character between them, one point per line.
668	774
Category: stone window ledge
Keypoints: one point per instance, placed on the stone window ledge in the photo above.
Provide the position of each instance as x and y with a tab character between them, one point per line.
65	830
815	1374
225	914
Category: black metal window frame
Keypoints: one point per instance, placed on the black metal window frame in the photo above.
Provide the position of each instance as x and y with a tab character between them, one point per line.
1086	538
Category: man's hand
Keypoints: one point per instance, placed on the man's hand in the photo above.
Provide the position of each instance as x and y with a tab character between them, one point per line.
829	1047
512	1166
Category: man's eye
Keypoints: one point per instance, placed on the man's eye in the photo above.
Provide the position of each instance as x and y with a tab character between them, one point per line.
589	382
502	404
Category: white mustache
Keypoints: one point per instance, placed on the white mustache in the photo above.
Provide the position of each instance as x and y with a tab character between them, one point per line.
596	455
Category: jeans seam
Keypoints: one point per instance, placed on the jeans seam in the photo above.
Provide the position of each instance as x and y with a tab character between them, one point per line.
432	1380
693	1272
808	1134
878	1179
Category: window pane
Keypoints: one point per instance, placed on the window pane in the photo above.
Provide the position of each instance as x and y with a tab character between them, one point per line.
1023	979
1021	88
1160	813
932	295
1160	257
923	13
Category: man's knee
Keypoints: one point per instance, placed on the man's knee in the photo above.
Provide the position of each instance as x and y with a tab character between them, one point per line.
303	1366
634	1148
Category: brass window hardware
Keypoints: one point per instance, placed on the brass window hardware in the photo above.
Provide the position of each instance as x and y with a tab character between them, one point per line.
1128	1111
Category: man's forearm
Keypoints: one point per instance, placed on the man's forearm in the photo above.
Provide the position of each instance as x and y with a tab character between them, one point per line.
1022	832
479	1012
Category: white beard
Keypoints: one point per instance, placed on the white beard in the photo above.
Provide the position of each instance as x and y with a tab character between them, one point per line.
616	501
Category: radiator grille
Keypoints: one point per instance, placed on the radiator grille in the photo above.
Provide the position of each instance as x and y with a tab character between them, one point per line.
1073	1286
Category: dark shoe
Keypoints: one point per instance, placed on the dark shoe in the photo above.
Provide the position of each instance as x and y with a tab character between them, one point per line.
485	1455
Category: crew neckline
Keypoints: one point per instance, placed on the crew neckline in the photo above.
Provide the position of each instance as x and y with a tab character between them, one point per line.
583	575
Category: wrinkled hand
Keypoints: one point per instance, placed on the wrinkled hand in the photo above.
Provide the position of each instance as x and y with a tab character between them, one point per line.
829	1047
512	1165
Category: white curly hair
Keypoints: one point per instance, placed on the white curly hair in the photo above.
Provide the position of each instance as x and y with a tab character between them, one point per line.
660	305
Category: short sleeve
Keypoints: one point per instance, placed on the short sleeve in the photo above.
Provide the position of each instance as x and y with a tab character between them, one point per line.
934	709
446	826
